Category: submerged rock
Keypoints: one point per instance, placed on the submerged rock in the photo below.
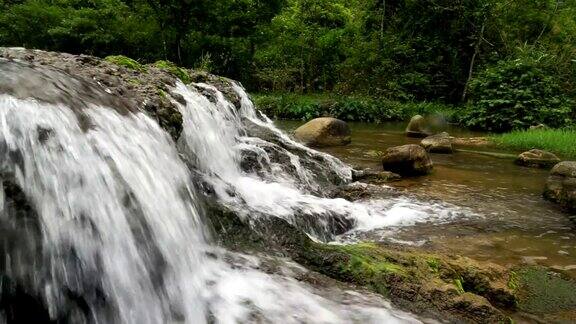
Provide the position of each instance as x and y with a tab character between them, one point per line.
373	176
439	143
417	127
325	131
561	185
537	159
470	141
408	160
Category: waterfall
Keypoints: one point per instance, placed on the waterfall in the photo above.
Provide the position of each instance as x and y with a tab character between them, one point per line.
218	137
99	223
115	208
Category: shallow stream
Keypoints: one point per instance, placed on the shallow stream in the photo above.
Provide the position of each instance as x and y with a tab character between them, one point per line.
504	220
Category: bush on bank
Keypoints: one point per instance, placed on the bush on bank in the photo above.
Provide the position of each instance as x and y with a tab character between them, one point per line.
348	108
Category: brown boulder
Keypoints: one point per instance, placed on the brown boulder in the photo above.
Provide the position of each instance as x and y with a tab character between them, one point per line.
408	159
324	131
537	159
561	185
439	143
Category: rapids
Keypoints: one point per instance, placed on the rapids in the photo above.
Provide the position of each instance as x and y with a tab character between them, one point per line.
99	219
218	137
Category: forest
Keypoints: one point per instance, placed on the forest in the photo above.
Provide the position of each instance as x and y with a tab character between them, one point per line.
498	64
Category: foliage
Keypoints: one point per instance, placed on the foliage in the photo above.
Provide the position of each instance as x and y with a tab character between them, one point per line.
541	291
349	108
518	93
559	141
402	50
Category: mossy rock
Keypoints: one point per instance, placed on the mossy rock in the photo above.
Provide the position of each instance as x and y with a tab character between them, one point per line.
126	62
541	291
175	70
432	285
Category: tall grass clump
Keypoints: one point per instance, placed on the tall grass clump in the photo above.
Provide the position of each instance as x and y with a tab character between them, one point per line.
559	141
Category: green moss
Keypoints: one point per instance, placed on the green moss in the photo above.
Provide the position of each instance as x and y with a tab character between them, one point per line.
161	93
364	264
367	258
541	291
126	62
459	285
513	281
175	70
434	264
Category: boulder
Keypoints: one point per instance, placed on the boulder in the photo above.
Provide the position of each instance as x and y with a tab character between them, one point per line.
537	159
324	131
407	160
439	143
561	185
417	127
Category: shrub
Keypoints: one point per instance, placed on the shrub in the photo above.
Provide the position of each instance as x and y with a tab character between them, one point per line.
516	94
348	108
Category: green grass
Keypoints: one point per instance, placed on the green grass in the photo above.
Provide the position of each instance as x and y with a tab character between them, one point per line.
348	108
559	141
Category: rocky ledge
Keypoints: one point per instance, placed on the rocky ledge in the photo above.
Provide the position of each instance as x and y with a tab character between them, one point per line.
131	85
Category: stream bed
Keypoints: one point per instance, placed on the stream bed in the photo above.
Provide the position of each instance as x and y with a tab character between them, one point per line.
506	220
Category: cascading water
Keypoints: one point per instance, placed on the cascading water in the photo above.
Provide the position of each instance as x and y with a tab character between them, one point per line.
99	224
219	135
115	209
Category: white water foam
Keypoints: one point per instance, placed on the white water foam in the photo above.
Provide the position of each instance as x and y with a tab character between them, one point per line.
216	134
117	215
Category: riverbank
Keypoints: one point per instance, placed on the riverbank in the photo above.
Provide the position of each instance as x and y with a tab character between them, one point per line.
291	106
559	141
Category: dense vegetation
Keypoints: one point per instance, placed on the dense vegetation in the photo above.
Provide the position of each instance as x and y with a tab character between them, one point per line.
511	64
349	107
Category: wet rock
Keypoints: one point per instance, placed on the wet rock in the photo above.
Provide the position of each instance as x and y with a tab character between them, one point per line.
537	159
439	143
407	160
470	141
417	127
373	176
561	185
325	131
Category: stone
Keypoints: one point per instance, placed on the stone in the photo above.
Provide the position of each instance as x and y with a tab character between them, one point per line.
561	185
325	131
537	159
417	127
407	160
470	141
439	143
373	176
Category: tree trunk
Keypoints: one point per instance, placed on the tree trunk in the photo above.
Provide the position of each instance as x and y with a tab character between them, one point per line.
473	60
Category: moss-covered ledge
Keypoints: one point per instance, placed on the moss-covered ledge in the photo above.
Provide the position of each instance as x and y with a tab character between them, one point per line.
436	286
